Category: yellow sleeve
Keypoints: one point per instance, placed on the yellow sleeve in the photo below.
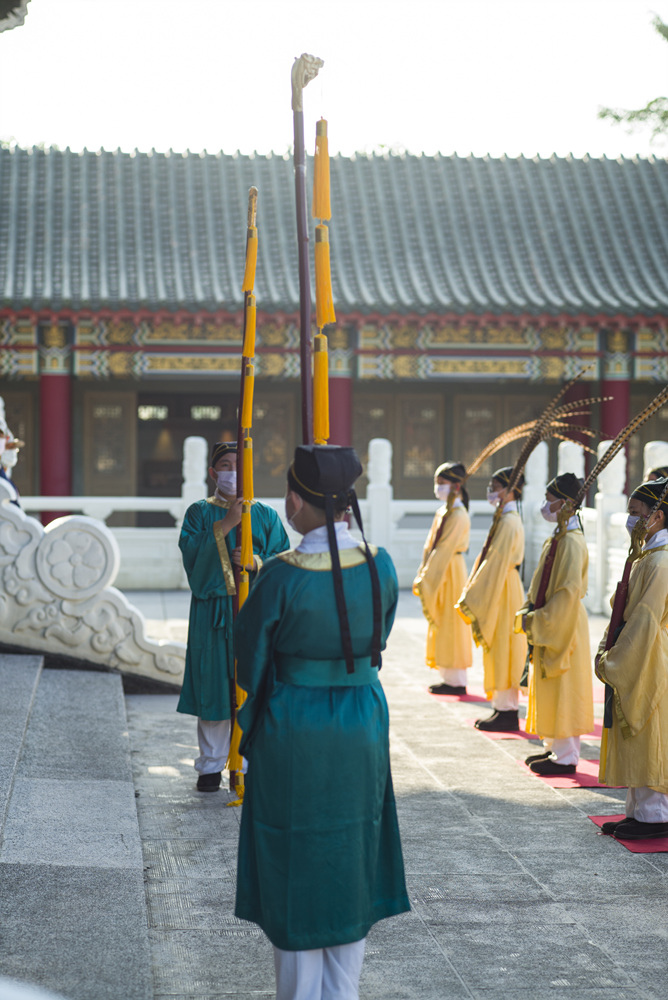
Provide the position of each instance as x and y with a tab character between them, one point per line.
552	627
637	665
429	583
480	602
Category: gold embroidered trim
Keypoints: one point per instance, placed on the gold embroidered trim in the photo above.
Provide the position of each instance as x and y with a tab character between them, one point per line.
417	590
471	620
647	552
228	572
225	504
322	561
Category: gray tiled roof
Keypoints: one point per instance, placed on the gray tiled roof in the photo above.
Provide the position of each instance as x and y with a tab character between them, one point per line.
409	234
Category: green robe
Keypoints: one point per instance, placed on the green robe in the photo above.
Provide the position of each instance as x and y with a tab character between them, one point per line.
319	850
210	652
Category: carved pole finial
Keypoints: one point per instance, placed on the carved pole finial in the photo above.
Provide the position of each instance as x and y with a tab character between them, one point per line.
304	69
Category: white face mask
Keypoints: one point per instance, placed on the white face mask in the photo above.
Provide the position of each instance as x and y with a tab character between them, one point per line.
546	513
227	482
441	491
10	457
492	497
291	520
631	522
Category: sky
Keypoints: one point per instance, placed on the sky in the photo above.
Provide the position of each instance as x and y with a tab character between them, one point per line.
450	76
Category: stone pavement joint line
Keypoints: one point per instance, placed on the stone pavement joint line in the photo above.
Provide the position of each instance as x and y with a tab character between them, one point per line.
514	893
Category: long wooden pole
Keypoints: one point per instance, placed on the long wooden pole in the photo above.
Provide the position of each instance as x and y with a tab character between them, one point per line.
304	69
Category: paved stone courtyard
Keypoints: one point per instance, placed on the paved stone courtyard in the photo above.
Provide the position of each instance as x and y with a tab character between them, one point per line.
117	878
514	893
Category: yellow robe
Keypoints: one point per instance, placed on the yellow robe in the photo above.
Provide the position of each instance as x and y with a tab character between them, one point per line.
489	604
438	584
561	702
637	668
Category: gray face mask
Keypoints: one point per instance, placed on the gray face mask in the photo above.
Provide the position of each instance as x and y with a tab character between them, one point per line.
631	522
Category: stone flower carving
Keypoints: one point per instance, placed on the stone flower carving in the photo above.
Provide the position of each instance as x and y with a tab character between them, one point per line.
77	560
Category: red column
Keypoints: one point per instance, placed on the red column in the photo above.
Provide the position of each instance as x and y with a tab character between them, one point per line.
616	383
55	418
340	410
615	412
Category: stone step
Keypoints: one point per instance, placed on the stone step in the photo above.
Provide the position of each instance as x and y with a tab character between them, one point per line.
19	676
72	900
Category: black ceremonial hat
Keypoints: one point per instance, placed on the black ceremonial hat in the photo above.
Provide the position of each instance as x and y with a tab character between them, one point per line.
504	474
454	471
322	470
650	492
323	475
565	487
221	448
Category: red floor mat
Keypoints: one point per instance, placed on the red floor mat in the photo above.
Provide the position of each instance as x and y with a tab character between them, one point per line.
658	845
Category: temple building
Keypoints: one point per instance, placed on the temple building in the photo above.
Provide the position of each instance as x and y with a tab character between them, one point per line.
466	291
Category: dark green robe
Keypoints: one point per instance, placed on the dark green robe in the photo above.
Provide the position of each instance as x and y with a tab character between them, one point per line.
319	850
210	652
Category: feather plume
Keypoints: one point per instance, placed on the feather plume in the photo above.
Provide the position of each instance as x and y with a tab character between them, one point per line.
619	442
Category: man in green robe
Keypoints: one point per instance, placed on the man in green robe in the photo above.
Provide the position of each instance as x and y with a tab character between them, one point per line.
210	547
319	850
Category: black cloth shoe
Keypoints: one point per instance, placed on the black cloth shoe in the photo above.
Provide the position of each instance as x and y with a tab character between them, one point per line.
550	768
611	825
500	722
447	689
209	782
633	829
538	756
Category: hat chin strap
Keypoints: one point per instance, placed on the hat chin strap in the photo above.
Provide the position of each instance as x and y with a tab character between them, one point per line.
375	583
337	575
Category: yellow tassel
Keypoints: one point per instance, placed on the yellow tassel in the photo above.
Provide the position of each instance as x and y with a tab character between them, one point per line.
321	205
320	390
251	317
234	758
324	300
251	259
247	459
247	412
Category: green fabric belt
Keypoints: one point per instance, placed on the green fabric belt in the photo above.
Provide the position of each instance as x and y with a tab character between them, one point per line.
324	673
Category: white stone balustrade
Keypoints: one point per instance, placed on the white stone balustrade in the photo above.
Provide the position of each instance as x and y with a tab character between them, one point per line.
150	558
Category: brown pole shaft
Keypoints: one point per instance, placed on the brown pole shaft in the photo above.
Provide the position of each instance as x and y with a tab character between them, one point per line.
304	280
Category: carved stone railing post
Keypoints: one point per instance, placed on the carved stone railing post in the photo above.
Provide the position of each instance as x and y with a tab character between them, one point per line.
535	528
379	492
194	470
570	458
655	456
610	499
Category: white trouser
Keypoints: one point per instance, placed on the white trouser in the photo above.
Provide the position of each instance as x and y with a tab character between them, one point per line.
319	974
646	805
214	746
456	678
506	701
566	750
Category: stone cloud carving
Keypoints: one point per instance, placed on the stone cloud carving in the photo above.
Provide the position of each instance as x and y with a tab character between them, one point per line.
57	596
